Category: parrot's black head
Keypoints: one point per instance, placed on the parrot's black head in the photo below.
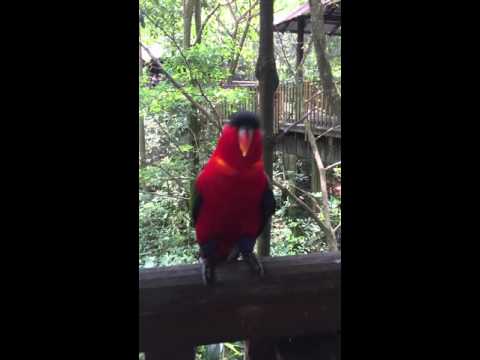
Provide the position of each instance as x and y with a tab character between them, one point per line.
245	119
241	141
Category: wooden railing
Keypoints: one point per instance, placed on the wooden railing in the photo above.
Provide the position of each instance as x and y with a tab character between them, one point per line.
291	102
299	295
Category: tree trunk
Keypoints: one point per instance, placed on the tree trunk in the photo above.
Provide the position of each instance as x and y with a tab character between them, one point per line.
141	126
266	73
141	133
198	17
189	7
324	68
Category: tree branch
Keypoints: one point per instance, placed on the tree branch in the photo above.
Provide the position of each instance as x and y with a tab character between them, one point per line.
223	26
189	68
290	69
199	35
248	12
331	239
327	131
177	85
333	165
234	64
337	227
307	208
318	205
306	53
232	12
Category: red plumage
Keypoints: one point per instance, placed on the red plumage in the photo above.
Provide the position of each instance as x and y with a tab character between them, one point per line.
231	188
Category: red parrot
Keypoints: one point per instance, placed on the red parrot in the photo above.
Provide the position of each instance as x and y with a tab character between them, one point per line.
233	199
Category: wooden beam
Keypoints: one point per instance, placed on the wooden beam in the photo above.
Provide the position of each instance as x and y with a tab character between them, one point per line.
178	352
300	43
309	348
298	295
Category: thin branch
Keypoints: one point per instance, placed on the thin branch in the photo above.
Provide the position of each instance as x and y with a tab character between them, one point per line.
164	196
176	84
331	239
171	141
199	35
234	64
333	165
337	227
327	131
223	26
247	12
228	2
189	68
232	11
169	174
318	205
306	53
299	201
194	137
192	78
282	47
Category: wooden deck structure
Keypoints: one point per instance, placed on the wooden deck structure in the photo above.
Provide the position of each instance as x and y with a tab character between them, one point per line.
298	296
291	102
298	21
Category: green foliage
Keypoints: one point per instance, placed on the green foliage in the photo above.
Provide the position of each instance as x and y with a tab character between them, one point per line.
224	351
165	232
295	236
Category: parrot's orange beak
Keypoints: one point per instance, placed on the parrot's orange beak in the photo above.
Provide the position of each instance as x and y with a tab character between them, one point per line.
244	140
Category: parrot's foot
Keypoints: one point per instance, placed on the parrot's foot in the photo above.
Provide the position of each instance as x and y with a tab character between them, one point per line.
233	254
208	272
254	263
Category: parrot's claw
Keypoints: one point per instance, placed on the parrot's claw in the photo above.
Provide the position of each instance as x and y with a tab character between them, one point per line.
208	272
233	256
255	264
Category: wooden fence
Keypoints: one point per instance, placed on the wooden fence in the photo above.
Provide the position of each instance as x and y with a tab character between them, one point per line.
291	102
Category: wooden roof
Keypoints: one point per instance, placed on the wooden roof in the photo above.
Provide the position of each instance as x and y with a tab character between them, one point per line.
332	18
155	49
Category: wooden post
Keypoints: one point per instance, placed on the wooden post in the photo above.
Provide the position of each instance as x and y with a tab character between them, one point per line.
260	349
299	69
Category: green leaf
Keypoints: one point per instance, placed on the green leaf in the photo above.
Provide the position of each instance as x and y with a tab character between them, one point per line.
185	147
232	348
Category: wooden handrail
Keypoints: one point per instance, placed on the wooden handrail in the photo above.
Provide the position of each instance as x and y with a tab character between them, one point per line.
298	295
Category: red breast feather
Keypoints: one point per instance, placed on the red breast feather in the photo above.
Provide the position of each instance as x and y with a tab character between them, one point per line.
231	187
